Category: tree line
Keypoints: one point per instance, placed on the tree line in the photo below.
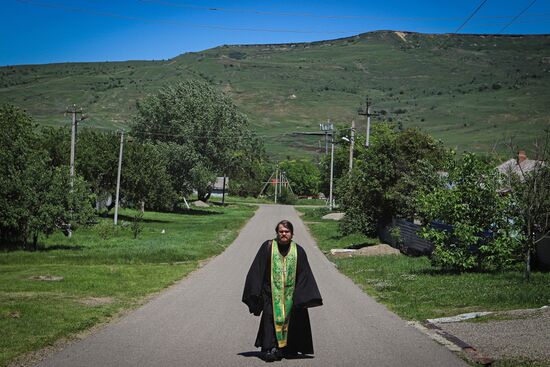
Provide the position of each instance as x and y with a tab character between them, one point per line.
187	134
183	137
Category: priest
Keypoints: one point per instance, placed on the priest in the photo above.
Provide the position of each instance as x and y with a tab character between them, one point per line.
280	287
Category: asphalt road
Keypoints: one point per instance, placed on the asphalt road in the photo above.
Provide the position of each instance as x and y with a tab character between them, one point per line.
201	321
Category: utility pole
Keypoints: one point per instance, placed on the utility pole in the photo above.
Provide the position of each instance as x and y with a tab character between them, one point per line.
223	190
118	176
74	123
351	145
326	128
366	112
331	172
276	182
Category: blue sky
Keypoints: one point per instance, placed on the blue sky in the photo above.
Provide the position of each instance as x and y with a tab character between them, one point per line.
47	31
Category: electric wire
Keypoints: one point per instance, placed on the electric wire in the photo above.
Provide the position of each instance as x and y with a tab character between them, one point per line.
134	133
273	30
202	137
517	16
312	15
175	23
471	16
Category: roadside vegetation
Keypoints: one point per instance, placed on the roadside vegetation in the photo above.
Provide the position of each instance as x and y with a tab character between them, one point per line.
64	265
415	290
478	229
71	284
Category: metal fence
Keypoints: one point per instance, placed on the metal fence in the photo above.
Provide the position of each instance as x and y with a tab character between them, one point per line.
404	235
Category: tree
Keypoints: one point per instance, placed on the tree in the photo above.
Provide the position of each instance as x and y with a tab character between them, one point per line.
56	141
145	178
304	176
97	161
250	168
385	178
530	194
55	203
19	162
468	199
34	197
206	123
96	156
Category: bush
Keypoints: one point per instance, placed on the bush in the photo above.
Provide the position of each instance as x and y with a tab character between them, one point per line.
137	224
483	226
286	197
106	229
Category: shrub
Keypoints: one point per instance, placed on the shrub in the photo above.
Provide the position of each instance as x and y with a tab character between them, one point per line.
481	219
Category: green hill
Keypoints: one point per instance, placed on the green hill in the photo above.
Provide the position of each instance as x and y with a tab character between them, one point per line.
472	91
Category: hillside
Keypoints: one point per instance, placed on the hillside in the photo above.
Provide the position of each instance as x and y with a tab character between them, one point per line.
472	91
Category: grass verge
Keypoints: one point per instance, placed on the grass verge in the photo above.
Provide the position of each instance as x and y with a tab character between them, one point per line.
414	290
71	284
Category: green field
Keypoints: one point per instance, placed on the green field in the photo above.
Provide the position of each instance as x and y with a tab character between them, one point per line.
475	92
71	284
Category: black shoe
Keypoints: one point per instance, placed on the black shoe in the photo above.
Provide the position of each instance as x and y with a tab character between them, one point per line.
289	354
269	356
272	355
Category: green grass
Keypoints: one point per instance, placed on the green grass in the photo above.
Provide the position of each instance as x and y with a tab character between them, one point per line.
315	202
326	231
242	200
473	92
414	290
101	277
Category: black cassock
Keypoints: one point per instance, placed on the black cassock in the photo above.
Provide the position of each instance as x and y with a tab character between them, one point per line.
257	296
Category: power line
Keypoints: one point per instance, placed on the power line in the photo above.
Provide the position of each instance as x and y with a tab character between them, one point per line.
181	24
499	24
202	137
517	16
471	16
312	15
262	30
285	14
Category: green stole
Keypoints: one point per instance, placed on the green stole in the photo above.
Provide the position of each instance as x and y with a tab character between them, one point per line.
283	280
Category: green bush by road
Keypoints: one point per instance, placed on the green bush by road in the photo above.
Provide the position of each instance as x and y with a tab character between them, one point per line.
415	290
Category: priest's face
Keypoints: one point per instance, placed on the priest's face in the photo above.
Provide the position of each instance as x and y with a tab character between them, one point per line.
284	235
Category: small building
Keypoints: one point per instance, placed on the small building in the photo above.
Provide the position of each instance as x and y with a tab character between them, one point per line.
519	166
217	189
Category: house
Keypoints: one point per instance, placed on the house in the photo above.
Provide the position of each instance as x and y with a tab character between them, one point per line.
519	166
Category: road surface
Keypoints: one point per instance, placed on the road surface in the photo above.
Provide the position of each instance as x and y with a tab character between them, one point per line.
201	321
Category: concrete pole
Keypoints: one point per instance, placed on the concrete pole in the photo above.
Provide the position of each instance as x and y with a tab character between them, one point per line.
118	176
351	145
368	124
331	173
73	143
276	182
223	190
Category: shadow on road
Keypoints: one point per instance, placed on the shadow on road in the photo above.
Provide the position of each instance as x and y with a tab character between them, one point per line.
259	355
256	354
